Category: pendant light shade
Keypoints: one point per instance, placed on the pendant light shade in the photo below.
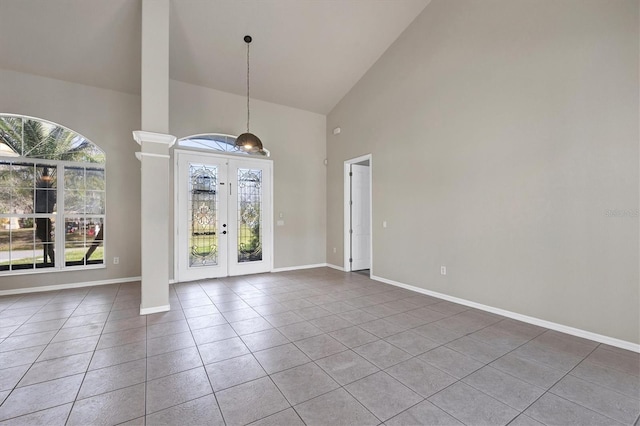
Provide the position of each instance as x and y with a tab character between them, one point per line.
248	142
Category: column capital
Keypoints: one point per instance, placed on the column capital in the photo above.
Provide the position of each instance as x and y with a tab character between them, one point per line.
160	138
139	155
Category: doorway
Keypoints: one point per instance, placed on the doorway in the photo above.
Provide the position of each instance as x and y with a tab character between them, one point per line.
223	215
358	212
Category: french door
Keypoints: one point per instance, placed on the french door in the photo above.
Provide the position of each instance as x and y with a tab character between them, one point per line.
223	216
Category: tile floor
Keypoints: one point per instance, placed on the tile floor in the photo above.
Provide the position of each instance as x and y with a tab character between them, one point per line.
304	347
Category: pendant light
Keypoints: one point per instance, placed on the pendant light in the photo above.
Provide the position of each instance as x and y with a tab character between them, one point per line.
248	142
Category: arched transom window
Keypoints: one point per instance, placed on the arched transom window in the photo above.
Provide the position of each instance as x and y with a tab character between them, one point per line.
216	142
52	197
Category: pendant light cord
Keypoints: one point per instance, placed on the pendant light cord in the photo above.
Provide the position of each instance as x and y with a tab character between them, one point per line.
248	88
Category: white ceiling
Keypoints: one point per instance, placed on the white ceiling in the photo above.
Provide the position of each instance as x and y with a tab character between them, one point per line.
306	53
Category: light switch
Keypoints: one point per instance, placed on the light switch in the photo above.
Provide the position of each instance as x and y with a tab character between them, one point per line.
384	223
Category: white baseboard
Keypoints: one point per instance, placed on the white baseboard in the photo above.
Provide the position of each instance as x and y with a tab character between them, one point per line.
332	266
524	318
296	268
154	309
67	286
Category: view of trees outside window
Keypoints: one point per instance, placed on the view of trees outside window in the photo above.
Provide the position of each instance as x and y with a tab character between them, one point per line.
52	196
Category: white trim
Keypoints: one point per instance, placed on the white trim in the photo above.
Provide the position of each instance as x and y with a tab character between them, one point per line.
154	310
296	268
347	217
142	136
347	210
18	272
139	155
67	286
339	268
524	318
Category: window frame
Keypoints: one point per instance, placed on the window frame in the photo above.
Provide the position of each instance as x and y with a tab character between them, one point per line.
59	214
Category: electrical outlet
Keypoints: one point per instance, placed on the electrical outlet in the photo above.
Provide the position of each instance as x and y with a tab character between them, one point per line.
334	250
116	260
443	270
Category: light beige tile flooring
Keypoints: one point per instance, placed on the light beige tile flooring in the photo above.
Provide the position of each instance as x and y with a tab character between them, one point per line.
305	347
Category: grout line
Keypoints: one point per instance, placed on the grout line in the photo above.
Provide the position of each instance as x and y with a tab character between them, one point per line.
75	399
242	289
146	364
548	390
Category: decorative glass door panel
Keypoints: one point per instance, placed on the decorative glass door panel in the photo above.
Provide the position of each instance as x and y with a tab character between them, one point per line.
203	238
249	215
212	189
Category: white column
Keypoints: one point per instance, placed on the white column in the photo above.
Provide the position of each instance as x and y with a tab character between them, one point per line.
155	66
154	157
155	226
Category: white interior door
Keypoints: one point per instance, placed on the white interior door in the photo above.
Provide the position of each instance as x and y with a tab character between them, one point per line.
223	216
360	218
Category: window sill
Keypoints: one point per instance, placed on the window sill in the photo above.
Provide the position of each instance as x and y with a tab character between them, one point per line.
50	270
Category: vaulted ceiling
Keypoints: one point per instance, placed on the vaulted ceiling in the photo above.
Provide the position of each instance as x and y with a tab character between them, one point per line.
306	53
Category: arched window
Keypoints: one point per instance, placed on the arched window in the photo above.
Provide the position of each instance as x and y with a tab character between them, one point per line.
52	197
216	142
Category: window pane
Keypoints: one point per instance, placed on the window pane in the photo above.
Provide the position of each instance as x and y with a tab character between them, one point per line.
74	178
22	176
86	151
21	200
45	241
22	182
5	188
45	189
5	200
84	241
94	241
217	142
5	174
74	202
249	216
5	238
10	136
203	241
95	180
26	243
24	258
75	240
95	202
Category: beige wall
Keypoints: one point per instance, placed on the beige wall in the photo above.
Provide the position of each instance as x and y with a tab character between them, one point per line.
297	142
501	132
296	139
107	118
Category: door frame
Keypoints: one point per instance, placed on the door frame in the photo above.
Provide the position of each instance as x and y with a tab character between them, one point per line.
347	210
176	207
